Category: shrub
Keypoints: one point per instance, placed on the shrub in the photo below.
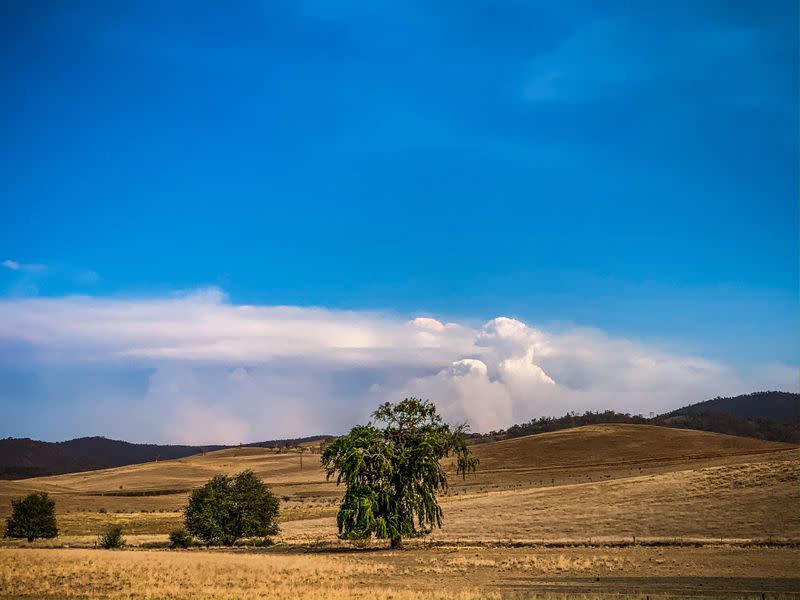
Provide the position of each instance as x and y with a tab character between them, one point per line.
154	545
262	542
112	538
180	538
229	508
32	517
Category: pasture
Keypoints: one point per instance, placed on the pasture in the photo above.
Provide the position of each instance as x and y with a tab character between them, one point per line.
592	510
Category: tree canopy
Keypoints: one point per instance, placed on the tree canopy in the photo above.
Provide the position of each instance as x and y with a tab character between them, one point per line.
228	508
393	473
32	517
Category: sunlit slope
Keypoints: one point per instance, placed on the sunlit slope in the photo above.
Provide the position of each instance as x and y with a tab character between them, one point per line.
594	445
601	452
751	500
580	455
164	485
757	500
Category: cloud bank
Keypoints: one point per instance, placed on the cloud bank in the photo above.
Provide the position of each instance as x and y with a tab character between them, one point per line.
197	368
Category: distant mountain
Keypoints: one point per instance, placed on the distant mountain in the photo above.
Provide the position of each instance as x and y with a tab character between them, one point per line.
765	405
24	457
771	416
30	458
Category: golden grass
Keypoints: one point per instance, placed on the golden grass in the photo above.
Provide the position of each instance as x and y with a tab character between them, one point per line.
194	575
759	500
455	572
756	500
153	523
132	523
584	454
590	484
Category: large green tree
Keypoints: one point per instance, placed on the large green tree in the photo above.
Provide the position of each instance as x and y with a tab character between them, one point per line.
32	517
228	508
393	472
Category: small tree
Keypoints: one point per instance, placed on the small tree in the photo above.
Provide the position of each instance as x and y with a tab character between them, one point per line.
112	538
180	538
228	508
393	473
32	517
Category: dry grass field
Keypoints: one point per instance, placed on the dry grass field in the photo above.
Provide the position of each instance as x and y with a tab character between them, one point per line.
555	513
443	572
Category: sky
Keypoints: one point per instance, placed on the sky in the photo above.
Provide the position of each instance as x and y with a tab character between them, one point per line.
235	223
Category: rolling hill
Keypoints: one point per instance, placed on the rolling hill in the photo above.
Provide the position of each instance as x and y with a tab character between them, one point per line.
607	445
773	416
29	458
24	457
764	415
583	507
765	405
592	481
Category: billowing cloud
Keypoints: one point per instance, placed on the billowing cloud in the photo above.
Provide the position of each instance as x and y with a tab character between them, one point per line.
202	369
464	392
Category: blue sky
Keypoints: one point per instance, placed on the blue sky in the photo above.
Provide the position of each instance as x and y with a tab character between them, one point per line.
621	166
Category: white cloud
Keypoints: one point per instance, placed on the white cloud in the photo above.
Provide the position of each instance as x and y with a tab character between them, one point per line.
222	372
427	324
18	266
464	392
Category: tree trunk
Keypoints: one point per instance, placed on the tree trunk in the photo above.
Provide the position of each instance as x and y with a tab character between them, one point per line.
395	544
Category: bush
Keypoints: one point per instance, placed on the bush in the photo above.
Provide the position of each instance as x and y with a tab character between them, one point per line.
153	545
229	508
261	542
180	538
112	538
32	517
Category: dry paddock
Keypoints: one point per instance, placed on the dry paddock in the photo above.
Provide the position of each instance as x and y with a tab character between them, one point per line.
441	571
535	521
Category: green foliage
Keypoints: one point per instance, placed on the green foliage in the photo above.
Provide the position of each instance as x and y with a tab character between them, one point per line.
112	538
32	517
229	508
180	538
393	473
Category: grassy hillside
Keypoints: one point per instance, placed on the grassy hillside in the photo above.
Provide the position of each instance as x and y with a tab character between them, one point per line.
674	482
773	416
612	446
555	512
